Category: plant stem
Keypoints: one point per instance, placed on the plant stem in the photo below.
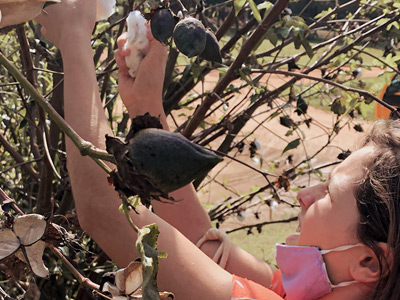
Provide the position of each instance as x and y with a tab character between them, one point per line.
86	282
5	199
126	209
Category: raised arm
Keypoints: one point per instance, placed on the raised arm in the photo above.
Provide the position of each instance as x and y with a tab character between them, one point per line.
144	94
69	26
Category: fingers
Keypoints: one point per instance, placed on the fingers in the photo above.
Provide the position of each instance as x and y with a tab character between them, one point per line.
157	51
120	60
149	34
121	42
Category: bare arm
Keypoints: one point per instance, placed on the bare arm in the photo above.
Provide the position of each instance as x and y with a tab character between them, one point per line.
144	94
96	202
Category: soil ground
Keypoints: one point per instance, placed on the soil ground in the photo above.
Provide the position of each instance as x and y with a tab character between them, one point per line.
241	179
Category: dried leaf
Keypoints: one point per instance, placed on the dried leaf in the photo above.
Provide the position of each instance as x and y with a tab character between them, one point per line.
35	257
108	287
9	243
129	279
29	228
146	245
133	277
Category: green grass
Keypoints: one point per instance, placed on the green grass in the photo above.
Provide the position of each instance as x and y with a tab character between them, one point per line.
262	245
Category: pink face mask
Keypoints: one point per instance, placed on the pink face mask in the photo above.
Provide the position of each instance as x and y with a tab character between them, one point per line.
304	275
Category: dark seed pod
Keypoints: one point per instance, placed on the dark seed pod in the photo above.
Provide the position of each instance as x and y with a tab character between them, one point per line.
190	36
156	162
211	51
162	24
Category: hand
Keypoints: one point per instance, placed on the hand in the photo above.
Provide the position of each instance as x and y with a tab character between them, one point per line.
143	93
68	22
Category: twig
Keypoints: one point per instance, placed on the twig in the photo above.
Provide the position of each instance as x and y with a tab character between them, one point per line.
262	224
86	282
125	207
5	199
230	74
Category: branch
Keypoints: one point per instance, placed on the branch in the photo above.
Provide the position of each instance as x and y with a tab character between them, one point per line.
86	282
240	59
263	223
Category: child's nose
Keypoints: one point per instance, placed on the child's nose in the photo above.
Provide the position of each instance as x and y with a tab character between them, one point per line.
309	195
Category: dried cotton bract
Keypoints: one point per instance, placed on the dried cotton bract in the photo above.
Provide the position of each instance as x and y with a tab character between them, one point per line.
25	234
137	41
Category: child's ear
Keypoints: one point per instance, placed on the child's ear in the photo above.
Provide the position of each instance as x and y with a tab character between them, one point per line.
366	267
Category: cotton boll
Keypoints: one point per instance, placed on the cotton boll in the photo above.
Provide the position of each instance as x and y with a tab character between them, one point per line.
274	205
137	41
105	8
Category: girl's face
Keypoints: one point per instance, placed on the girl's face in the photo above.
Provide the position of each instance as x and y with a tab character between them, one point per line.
329	214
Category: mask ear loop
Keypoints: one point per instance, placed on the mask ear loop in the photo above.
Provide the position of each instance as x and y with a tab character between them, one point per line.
222	254
340	248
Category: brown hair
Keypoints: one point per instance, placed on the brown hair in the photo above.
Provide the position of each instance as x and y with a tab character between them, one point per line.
378	201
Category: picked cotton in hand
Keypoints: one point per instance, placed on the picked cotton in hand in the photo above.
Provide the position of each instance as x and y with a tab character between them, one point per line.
104	9
137	41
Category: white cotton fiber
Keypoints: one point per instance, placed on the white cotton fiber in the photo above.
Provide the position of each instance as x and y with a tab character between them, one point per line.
137	41
105	8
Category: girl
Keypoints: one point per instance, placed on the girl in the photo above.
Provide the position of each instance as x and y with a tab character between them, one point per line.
348	241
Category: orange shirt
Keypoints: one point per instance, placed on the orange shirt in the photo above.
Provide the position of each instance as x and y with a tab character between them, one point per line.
244	289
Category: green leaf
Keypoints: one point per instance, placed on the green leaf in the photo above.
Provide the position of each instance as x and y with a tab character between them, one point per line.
393	24
23	123
286	121
323	13
265	5
146	244
285	31
308	48
297	41
338	108
302	106
271	36
292	145
382	21
255	11
238	4
195	72
244	75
